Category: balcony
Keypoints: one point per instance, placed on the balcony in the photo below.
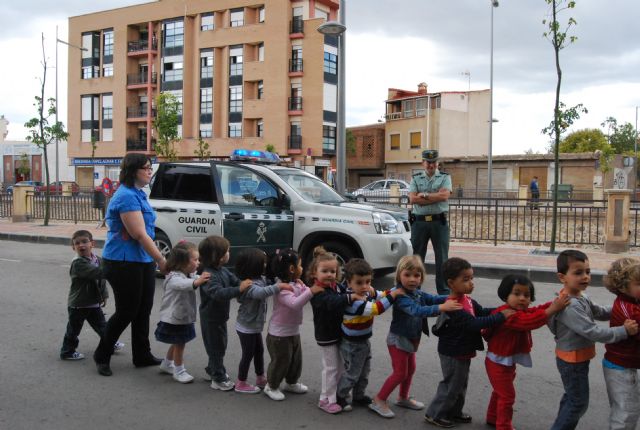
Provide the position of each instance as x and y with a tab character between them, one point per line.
140	46
297	27
295	144
295	105
138	113
139	144
141	79
295	67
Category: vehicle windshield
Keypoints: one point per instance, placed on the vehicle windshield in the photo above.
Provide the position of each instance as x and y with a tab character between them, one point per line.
310	187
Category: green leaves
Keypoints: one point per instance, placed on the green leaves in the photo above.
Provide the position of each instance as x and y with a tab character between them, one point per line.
166	124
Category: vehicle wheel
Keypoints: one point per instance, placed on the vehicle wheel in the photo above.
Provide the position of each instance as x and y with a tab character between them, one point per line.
404	200
361	199
163	243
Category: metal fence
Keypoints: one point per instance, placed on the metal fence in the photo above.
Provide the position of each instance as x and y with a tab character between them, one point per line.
6	205
65	208
513	220
634	225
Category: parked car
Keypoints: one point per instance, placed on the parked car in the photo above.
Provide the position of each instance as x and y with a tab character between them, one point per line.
58	186
37	185
380	191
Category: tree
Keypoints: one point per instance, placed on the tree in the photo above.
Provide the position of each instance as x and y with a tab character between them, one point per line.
42	132
351	143
23	167
586	140
202	152
166	124
269	147
557	34
621	137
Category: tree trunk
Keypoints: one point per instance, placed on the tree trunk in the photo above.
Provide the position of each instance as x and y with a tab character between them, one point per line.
556	126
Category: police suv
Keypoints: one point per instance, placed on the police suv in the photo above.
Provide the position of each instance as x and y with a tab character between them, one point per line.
254	203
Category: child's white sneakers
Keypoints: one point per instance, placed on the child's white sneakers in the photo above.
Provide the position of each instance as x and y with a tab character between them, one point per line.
298	388
182	376
273	394
166	366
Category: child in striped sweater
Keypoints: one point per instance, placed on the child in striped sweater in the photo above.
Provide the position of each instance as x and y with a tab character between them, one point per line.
357	328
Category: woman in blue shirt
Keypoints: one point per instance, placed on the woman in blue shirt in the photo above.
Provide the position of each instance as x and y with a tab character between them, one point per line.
130	257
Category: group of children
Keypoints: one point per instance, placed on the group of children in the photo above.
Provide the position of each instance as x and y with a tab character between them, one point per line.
343	315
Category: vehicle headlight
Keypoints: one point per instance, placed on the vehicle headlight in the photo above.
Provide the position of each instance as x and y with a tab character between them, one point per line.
385	223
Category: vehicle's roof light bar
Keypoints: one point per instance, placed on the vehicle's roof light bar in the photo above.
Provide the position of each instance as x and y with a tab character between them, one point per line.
255	156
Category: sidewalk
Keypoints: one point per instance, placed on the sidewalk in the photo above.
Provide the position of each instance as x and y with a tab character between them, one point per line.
488	261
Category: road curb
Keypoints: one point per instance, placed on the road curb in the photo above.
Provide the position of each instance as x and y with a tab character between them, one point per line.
51	240
536	274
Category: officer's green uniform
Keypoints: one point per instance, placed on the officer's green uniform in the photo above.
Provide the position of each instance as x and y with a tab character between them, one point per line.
431	219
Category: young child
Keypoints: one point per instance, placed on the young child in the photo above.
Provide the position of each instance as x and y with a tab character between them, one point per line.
328	307
178	310
622	360
215	296
88	293
251	264
405	333
510	343
459	339
576	333
357	328
283	337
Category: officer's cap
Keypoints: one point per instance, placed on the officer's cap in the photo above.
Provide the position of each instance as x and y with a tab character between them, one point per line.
430	155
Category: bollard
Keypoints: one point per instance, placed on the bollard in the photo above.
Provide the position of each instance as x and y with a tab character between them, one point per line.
616	238
22	205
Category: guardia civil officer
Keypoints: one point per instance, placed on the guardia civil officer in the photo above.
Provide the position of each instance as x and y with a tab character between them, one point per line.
429	193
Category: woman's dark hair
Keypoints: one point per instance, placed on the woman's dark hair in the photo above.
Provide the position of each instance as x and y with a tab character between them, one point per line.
506	286
129	167
211	250
250	263
281	261
180	256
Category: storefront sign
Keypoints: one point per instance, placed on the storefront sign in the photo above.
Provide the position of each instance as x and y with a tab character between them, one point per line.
97	161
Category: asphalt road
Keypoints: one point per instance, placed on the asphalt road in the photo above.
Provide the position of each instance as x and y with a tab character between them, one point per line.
39	391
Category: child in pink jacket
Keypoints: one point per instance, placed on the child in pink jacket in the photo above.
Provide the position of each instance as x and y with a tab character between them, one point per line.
283	338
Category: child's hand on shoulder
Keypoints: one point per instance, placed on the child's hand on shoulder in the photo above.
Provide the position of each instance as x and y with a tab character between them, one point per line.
284	286
397	292
450	305
357	297
245	284
316	289
558	304
507	312
202	279
631	326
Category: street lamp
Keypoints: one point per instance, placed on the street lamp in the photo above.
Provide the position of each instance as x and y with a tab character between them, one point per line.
494	4
337	29
73	46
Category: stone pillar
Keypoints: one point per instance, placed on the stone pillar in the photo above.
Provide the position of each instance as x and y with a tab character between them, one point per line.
617	224
22	206
523	191
66	189
394	194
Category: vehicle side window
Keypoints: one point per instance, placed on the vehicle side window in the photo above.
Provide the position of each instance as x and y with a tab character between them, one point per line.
184	182
378	185
243	187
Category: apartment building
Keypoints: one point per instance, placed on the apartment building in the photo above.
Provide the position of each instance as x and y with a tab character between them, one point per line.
247	74
456	123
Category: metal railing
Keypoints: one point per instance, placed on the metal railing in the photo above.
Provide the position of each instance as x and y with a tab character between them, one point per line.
634	224
295	103
67	208
295	65
139	144
141	78
139	112
141	45
6	205
295	141
297	25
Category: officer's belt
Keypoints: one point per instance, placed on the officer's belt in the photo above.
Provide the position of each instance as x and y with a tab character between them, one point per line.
435	217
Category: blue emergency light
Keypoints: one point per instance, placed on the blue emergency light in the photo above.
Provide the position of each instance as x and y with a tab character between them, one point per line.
255	156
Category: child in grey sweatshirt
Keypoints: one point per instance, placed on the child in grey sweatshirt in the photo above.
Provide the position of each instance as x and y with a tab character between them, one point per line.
252	314
576	333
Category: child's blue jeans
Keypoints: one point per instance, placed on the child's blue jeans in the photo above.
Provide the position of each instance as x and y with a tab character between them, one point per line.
575	400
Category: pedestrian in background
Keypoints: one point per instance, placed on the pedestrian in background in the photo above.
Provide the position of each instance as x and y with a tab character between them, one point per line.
535	192
429	193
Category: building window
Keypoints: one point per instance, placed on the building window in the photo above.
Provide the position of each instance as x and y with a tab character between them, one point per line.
206	22
260	128
89	114
91	55
407	108
206	130
235	98
415	139
261	52
90	72
322	14
330	63
172	71
261	14
235	60
108	43
237	17
107	70
206	100
260	89
395	141
235	129
328	138
173	34
178	95
421	107
107	107
206	63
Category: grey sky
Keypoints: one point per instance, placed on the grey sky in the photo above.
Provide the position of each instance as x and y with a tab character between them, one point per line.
393	43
